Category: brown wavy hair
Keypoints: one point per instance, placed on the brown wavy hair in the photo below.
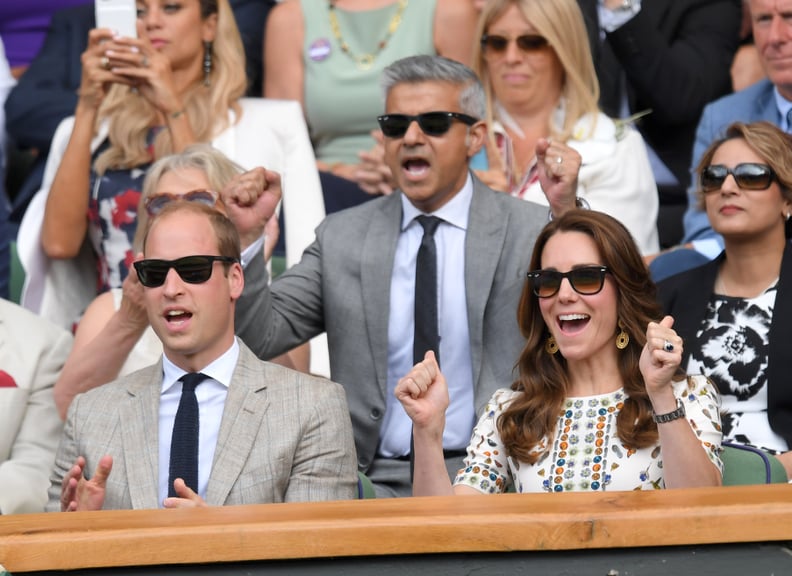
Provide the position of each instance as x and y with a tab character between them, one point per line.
131	116
543	378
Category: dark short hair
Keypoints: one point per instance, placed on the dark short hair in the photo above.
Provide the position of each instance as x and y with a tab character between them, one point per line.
226	235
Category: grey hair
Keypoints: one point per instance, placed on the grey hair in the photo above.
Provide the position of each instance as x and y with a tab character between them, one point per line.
219	169
216	166
425	68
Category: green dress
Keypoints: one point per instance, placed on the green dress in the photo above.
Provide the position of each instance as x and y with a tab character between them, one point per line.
342	101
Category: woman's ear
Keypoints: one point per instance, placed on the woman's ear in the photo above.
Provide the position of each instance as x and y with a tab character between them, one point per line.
209	28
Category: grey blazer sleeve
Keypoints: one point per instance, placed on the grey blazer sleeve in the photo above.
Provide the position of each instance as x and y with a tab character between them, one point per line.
274	319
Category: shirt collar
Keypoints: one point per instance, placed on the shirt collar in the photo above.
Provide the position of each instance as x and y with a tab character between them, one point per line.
454	212
784	106
219	370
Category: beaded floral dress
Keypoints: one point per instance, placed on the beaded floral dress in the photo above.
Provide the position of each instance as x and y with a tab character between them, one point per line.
585	454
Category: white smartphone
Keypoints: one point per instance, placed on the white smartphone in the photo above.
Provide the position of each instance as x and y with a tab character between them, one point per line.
120	16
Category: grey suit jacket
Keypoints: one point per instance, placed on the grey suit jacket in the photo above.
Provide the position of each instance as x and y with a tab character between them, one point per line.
32	353
284	437
342	286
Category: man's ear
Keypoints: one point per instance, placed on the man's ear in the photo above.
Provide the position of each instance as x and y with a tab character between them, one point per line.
236	280
476	137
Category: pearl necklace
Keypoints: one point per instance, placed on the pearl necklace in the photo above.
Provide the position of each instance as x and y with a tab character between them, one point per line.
365	61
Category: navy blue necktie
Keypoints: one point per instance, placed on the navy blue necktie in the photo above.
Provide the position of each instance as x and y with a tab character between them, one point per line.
184	442
426	336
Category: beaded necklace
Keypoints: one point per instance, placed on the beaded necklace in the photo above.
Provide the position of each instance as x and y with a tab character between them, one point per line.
365	61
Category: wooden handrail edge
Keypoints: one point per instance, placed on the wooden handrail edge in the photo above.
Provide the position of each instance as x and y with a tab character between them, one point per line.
528	522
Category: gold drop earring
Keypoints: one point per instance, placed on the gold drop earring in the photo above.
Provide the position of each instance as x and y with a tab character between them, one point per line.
622	339
551	346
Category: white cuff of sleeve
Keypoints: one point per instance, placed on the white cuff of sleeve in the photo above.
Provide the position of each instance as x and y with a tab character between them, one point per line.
252	251
612	19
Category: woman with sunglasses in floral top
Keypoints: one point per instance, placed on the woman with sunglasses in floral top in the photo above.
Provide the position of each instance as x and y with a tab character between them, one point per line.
536	66
735	313
599	402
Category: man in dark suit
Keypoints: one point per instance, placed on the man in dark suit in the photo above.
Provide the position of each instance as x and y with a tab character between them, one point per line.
257	432
671	57
357	281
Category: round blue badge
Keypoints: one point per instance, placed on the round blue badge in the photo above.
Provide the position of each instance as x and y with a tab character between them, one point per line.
319	49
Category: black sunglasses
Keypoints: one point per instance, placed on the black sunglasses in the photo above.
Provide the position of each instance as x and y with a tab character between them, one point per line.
432	123
748	175
191	269
526	43
586	280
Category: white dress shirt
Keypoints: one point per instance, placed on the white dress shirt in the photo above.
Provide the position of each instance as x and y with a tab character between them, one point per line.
455	360
211	395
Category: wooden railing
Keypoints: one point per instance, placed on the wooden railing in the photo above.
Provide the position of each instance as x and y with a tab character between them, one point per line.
512	522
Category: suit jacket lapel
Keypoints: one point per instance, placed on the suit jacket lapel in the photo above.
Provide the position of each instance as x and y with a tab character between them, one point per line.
140	433
766	108
243	413
487	225
779	394
376	269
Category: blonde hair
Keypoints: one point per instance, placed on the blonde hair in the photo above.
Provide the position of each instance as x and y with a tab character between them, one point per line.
561	23
216	166
206	107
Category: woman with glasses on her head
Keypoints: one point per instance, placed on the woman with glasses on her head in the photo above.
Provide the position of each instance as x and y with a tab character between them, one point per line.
735	312
535	63
113	337
599	403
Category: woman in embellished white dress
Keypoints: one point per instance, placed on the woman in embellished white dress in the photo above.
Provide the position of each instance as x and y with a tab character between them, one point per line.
599	404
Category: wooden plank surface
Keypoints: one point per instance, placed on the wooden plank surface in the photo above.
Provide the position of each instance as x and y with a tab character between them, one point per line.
524	522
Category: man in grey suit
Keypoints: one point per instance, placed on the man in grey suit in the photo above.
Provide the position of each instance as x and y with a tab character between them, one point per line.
261	433
357	280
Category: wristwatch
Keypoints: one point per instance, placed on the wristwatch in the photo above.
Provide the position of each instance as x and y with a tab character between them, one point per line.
671	416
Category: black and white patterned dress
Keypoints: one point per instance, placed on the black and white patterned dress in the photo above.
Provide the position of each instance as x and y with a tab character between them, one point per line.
731	347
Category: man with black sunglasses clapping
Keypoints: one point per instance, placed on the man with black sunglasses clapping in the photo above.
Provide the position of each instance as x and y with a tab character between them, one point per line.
209	424
437	265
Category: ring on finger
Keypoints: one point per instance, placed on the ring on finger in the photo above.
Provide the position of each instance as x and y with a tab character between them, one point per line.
145	61
105	62
559	159
667	346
